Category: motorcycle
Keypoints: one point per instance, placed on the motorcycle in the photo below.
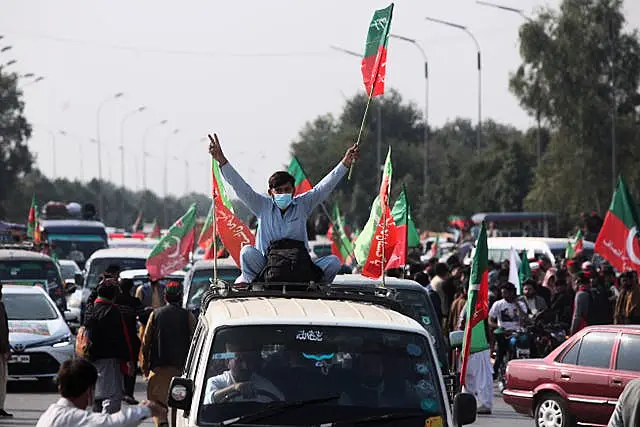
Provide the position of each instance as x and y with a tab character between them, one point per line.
519	347
548	337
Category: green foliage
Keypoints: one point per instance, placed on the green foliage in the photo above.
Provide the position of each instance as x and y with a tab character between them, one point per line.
574	61
462	180
15	158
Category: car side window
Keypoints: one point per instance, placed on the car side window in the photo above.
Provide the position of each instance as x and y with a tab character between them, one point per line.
628	352
571	356
596	349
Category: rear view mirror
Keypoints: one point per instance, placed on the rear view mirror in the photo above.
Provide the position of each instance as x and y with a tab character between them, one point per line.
69	316
464	409
456	338
180	394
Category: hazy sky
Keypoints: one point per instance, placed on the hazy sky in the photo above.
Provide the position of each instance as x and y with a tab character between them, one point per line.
253	71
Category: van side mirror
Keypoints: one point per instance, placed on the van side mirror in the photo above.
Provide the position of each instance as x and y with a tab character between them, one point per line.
181	393
464	409
456	338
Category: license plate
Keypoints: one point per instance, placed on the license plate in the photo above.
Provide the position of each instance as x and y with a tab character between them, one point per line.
523	353
20	358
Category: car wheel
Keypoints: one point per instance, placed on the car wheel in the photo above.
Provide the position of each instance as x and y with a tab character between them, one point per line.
552	411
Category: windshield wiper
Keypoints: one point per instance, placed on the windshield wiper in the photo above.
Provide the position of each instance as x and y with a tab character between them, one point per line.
275	408
383	418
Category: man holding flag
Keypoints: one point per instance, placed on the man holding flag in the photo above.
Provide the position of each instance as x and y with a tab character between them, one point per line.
281	214
476	375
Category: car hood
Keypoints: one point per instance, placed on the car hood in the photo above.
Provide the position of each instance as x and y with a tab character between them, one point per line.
28	332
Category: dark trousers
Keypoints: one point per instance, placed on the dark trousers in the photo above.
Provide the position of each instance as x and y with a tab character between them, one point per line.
501	351
129	385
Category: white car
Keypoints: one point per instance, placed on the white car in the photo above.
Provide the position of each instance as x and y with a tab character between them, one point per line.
39	337
310	358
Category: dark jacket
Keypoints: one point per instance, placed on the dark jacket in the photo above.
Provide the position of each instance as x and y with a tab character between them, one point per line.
106	332
4	330
167	337
131	308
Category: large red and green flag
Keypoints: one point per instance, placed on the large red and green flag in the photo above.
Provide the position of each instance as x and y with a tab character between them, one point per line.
302	183
171	253
155	230
477	308
617	241
378	238
233	233
575	246
407	232
374	62
341	245
32	221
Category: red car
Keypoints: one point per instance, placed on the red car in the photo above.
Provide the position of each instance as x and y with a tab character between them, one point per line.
580	381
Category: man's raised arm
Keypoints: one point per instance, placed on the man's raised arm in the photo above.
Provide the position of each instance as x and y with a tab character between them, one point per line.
321	191
254	201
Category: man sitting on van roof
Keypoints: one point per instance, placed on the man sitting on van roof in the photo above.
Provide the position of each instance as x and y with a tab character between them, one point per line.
280	214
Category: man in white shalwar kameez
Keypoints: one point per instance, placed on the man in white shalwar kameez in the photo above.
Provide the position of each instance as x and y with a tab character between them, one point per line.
479	377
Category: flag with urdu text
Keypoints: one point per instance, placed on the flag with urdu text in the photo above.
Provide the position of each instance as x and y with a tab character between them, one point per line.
171	253
155	230
302	183
378	238
32	221
374	62
575	246
205	240
341	245
233	233
617	241
407	233
477	308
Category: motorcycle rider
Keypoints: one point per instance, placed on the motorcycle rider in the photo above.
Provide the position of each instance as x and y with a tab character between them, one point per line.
505	317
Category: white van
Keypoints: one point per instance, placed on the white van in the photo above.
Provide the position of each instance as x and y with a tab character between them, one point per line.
536	247
308	358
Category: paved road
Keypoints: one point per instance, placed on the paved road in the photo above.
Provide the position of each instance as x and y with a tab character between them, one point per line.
27	400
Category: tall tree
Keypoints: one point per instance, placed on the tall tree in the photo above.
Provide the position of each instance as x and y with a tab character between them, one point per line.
15	158
580	72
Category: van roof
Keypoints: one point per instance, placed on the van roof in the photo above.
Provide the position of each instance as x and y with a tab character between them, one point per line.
121	253
360	280
307	311
21	254
20	289
70	223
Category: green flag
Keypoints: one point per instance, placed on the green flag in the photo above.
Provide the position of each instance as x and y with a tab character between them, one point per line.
524	272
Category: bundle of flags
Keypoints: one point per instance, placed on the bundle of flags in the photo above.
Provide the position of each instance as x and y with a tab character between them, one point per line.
33	221
575	246
232	232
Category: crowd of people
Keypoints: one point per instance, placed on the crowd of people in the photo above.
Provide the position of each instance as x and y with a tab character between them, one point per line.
112	346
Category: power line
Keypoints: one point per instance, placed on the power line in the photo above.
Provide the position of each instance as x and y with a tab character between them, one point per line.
139	49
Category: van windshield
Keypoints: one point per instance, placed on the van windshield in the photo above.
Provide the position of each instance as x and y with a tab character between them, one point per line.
99	265
28	271
367	371
201	280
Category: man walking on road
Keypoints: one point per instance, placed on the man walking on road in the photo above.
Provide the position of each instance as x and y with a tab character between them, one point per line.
5	354
76	384
165	345
281	215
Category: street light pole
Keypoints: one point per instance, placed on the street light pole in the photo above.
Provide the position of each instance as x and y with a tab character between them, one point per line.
122	156
53	153
144	151
100	201
166	183
538	112
425	136
479	67
379	114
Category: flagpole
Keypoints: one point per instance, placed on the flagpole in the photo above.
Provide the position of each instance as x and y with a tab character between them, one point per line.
364	117
406	231
215	242
384	236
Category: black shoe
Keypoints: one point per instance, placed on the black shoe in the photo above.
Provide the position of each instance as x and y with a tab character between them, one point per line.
130	400
5	414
